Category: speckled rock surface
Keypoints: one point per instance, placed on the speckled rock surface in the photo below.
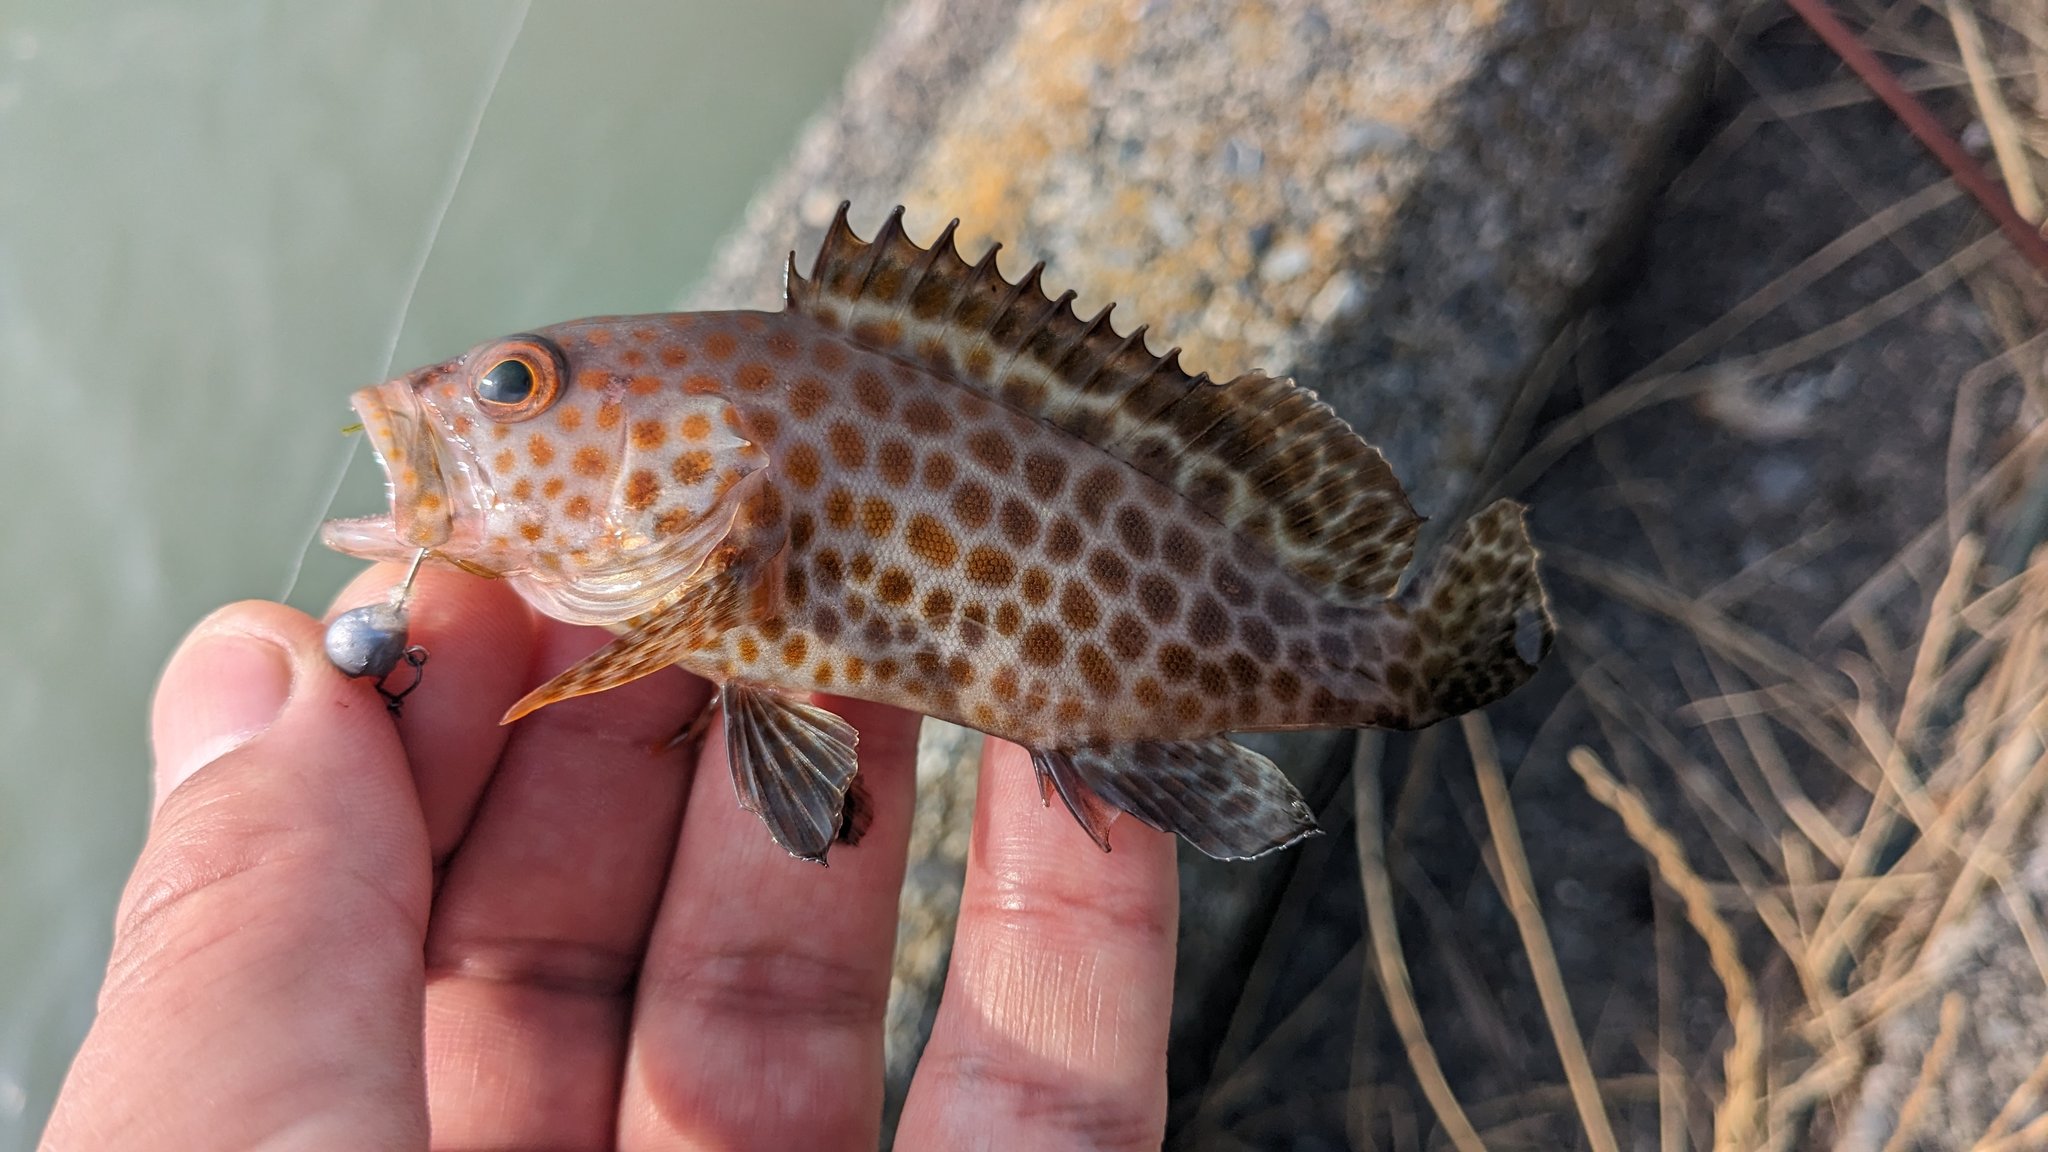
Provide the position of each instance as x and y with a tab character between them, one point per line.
1399	203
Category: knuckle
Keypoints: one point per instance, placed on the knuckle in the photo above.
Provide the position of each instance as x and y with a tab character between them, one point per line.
201	852
560	967
1044	1103
1067	909
806	990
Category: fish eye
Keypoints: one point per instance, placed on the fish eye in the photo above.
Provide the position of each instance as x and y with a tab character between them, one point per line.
509	383
518	378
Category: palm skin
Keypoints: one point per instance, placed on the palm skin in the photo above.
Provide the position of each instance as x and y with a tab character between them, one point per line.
347	931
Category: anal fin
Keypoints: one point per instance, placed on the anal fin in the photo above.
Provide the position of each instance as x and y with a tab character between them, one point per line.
1226	800
1057	771
792	764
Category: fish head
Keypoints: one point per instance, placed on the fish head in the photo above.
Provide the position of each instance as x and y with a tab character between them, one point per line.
576	460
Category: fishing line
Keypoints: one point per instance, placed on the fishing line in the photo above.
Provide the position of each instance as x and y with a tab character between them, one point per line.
476	123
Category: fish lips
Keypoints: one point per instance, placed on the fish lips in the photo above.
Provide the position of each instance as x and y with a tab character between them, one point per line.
409	448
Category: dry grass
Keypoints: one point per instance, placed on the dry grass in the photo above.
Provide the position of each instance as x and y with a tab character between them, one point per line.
1838	890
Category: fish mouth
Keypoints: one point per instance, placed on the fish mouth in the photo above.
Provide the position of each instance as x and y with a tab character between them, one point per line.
407	446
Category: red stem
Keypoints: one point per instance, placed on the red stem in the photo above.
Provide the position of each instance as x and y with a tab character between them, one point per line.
1922	124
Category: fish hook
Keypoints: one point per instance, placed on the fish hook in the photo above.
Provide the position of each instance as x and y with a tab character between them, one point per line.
371	641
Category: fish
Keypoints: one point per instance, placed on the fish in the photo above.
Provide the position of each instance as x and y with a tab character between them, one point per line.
924	484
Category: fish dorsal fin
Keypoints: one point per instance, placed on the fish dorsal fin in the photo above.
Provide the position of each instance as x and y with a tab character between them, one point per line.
1260	454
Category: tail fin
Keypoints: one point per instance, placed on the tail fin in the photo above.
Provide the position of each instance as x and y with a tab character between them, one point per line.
1481	615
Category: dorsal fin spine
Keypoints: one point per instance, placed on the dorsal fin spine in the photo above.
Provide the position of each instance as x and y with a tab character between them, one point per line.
996	335
792	284
940	249
892	230
1085	385
1262	456
837	235
1030	332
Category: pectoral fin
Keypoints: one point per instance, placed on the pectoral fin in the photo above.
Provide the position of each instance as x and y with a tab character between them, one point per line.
652	642
1224	799
792	763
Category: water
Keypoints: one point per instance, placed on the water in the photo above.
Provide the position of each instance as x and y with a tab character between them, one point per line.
209	213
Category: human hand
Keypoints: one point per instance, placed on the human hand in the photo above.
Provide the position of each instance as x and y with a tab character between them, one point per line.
350	932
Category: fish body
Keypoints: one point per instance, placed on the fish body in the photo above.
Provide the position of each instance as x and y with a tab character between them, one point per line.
924	485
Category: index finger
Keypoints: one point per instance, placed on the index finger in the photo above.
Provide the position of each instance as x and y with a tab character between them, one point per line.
1052	1030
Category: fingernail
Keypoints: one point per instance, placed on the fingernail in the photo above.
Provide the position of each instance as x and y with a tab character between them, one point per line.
221	691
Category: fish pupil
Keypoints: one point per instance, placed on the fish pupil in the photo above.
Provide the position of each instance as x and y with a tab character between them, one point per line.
508	383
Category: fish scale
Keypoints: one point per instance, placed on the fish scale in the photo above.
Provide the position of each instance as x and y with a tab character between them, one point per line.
928	486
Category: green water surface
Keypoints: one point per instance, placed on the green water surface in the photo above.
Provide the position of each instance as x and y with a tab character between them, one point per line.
209	214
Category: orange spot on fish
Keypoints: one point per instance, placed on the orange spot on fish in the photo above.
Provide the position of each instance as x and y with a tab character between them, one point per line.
591	461
848	446
839	508
540	450
893	586
803	466
691	467
696	426
807	397
552	488
674	522
642	490
610	413
578	507
877	517
930	541
649	433
644	385
720	345
570	418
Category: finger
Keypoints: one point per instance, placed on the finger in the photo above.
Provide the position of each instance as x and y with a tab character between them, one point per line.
479	638
545	909
265	978
759	1017
1052	1029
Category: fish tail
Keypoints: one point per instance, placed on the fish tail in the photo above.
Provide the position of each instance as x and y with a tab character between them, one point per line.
1480	622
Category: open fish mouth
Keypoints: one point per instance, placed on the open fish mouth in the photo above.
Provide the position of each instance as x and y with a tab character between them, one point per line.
403	437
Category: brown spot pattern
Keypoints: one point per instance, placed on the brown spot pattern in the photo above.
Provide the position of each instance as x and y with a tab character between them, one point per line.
931	541
895	460
1063	540
1042	645
973	505
990	567
849	447
803	466
894	586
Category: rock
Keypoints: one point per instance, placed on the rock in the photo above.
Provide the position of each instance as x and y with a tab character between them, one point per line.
1398	202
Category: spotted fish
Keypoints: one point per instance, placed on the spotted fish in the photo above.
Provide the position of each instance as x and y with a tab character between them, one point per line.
925	485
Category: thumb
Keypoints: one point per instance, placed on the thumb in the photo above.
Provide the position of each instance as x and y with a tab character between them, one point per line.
266	973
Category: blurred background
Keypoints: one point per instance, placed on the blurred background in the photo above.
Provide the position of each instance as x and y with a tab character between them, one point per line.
209	216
